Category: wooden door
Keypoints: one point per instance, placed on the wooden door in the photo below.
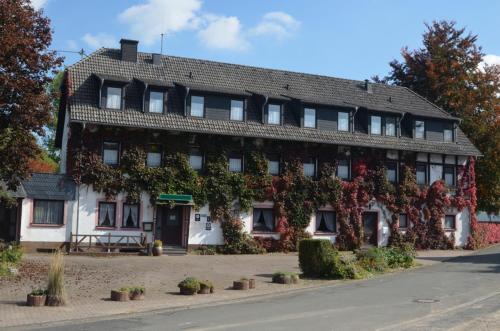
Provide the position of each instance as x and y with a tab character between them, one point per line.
370	221
172	226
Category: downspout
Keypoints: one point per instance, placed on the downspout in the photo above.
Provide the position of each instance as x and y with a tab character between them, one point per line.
352	119
185	101
266	99
101	83
399	125
144	97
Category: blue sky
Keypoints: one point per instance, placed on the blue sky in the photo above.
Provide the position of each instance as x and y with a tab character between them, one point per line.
350	39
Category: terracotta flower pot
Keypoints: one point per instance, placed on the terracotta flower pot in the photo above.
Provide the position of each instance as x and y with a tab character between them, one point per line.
157	251
119	295
54	301
36	300
242	284
136	296
251	283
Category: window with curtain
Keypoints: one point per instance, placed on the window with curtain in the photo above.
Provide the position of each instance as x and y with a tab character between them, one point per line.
390	126
274	114
309	168
376	125
110	153
235	164
449	175
326	221
263	219
114	97
273	167
197	106
403	221
154	156
343	121
391	173
236	110
435	173
449	222
421	174
309	118
448	135
343	169
48	212
130	215
107	214
420	129
156	102
196	160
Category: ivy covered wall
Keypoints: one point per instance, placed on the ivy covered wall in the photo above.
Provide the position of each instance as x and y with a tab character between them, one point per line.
295	195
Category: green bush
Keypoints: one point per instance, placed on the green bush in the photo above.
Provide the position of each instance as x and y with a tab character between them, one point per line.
38	292
401	257
157	243
374	259
134	289
205	250
236	241
11	254
190	284
207	284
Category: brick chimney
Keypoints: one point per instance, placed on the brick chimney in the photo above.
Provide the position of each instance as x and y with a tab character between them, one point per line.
129	50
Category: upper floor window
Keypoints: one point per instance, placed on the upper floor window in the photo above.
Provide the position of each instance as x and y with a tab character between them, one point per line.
325	221
274	114
114	97
403	221
130	215
391	172
420	129
376	125
236	110
236	163
390	126
343	121
309	118
448	134
48	212
156	101
343	169
111	153
197	106
154	156
309	168
273	165
449	175
421	174
263	219
196	160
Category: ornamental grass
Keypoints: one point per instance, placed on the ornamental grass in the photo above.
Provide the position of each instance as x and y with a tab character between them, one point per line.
56	288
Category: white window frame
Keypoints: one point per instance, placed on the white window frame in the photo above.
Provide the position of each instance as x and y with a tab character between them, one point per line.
113	103
378	132
308	121
343	127
236	112
277	108
153	106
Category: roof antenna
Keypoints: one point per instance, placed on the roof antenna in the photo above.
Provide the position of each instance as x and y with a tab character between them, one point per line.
161	45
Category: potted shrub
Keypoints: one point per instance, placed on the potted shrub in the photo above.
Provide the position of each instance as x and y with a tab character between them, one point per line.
251	283
122	294
206	287
37	298
241	284
189	286
136	292
157	248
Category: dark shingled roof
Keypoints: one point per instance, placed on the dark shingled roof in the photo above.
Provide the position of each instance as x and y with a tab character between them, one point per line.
281	84
18	193
50	187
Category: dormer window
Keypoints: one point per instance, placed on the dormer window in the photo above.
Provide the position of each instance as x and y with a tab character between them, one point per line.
376	125
309	118
420	129
390	126
343	121
197	106
114	97
156	101
448	133
236	110
274	114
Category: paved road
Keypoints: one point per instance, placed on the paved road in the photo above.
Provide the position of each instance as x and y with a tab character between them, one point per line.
460	294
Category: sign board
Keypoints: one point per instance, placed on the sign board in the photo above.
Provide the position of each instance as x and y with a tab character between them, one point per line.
197	217
147	226
208	226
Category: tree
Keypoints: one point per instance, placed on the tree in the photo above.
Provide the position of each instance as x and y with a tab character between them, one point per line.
449	71
54	91
26	67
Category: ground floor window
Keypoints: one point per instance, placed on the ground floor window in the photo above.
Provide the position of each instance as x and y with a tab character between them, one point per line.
343	169
107	214
449	222
263	219
48	212
403	221
130	215
326	221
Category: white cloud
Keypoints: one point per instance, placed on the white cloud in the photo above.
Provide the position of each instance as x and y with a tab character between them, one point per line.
37	4
222	32
277	24
147	21
491	59
99	40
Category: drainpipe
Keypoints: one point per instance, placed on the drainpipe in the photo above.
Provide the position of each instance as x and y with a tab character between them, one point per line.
352	119
399	125
185	101
266	99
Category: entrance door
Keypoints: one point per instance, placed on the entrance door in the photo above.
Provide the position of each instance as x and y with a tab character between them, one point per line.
8	222
370	220
172	226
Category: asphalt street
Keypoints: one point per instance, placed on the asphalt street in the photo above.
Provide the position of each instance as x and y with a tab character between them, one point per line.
459	294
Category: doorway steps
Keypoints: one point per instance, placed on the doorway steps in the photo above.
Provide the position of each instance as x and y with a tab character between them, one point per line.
174	250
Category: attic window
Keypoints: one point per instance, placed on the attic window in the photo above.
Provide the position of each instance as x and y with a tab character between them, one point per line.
114	97
156	102
274	114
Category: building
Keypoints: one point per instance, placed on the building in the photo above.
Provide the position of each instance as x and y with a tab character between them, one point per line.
118	98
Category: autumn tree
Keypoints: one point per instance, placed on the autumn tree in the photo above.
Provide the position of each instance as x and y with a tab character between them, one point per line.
449	71
26	67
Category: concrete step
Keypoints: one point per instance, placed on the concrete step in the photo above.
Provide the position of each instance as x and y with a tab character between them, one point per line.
174	250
